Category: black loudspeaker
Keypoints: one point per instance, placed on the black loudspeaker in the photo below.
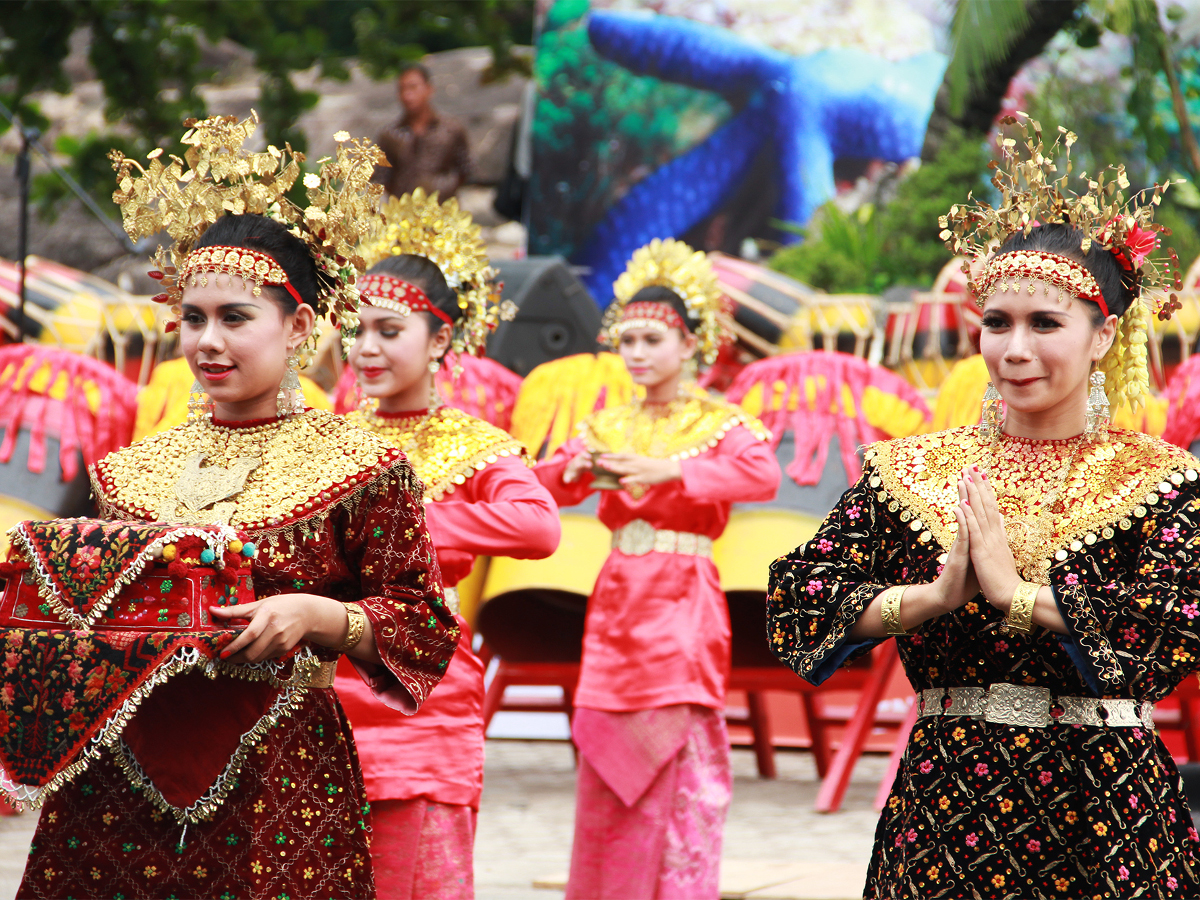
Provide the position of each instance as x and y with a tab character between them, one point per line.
556	316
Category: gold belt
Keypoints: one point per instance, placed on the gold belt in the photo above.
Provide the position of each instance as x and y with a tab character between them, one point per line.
322	676
1033	707
639	537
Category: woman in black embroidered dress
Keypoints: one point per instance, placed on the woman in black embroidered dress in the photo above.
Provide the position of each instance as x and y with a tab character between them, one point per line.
1042	571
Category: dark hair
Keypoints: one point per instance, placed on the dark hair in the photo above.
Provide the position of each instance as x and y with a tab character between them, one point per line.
268	236
423	273
423	71
656	293
1116	285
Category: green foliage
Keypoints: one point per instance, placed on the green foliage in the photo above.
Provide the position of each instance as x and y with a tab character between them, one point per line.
1106	133
912	251
1184	223
841	253
147	55
389	35
981	34
870	250
598	129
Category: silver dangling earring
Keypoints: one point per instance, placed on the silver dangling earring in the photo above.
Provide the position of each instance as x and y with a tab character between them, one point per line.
993	415
290	399
1098	411
435	366
198	405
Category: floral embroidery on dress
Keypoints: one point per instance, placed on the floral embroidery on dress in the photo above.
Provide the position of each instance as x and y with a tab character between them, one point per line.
985	810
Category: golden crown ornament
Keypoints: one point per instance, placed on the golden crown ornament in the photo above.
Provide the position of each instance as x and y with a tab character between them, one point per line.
688	273
1034	190
418	224
217	177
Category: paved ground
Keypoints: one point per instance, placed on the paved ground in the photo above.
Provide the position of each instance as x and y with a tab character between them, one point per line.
773	836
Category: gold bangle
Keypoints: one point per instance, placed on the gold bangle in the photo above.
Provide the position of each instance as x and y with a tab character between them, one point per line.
356	621
889	610
1020	611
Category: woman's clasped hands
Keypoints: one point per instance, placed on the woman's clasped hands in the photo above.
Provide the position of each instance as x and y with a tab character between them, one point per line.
979	517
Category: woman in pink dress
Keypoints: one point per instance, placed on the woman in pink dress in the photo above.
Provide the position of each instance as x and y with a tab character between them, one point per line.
424	773
654	774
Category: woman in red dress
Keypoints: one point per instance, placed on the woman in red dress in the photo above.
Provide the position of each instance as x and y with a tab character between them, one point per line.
425	773
654	774
344	563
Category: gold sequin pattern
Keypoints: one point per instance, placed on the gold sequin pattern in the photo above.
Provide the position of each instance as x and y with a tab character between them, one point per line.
306	462
683	428
445	447
1107	486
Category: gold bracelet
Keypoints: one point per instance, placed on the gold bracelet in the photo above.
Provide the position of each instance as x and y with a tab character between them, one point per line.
356	621
1020	611
889	609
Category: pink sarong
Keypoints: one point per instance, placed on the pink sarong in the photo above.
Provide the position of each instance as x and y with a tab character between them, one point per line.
426	850
653	791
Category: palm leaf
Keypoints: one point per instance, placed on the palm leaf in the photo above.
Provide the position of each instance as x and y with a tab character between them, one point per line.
981	33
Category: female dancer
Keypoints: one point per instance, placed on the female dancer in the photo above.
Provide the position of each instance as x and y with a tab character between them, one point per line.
654	778
344	560
1038	571
425	773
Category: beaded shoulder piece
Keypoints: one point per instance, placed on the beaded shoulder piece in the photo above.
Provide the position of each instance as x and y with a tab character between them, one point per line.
1107	486
277	476
680	429
445	448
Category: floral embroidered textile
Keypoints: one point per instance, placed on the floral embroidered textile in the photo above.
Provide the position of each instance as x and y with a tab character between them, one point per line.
272	794
80	566
995	811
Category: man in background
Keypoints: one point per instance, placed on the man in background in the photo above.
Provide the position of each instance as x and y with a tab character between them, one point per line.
425	149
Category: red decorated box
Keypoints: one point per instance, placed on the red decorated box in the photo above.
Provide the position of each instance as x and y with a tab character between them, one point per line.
87	574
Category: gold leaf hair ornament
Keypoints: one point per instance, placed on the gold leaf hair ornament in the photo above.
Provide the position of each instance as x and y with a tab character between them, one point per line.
1034	190
676	266
218	177
417	224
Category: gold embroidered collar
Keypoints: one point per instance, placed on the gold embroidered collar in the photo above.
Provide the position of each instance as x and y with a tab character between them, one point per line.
257	476
684	427
1108	485
445	447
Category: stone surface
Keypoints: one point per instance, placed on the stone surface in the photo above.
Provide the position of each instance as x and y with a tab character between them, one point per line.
776	847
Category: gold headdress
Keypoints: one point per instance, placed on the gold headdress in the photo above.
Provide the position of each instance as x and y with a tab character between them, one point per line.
221	178
418	225
1034	191
674	265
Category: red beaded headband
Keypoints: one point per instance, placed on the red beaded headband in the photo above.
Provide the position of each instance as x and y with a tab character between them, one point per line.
388	292
1063	272
249	265
647	314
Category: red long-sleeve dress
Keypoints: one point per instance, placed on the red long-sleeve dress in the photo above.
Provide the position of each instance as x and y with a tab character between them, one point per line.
481	499
333	511
642	647
656	651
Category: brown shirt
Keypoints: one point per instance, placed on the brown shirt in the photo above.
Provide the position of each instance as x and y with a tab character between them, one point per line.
437	160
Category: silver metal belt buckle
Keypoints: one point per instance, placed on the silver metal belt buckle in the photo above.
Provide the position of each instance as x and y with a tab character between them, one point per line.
1079	711
1019	704
635	538
967	701
1122	713
931	702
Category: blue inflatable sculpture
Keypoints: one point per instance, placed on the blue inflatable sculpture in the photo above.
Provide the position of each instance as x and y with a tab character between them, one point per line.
813	109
